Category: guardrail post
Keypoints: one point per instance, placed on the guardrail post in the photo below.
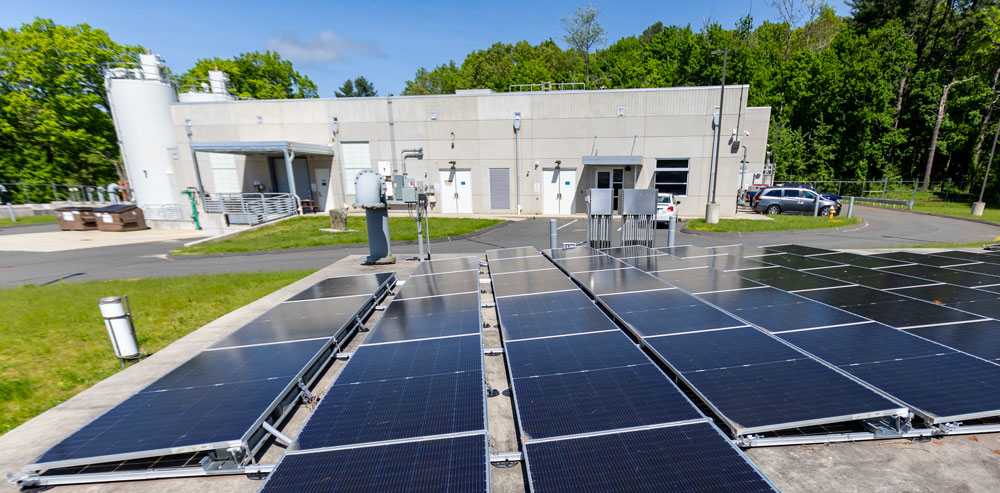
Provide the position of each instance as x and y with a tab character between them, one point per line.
671	230
850	208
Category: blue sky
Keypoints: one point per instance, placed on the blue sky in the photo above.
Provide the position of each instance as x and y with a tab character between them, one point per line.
386	42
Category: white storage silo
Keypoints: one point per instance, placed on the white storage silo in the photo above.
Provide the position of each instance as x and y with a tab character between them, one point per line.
140	108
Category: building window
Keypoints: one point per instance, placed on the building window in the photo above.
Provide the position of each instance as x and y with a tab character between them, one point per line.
356	157
671	176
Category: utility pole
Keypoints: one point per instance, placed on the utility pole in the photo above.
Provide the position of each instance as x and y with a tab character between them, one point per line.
712	209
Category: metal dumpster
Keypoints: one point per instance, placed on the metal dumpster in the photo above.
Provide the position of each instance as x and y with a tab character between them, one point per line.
76	218
120	217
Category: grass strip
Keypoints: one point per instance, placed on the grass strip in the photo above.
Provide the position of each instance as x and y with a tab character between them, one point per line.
782	222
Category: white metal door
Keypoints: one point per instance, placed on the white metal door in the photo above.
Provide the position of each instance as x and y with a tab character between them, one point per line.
558	191
456	191
322	182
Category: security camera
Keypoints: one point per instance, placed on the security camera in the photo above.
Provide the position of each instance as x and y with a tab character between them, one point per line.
746	133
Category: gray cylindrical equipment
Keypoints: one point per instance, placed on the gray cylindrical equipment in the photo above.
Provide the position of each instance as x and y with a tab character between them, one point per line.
553	234
671	230
118	321
370	194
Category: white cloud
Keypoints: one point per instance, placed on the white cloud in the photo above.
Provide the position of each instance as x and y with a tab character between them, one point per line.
327	47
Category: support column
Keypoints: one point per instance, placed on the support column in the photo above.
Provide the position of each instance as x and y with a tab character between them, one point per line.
289	156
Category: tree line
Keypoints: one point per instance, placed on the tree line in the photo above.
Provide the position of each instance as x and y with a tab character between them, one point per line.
892	90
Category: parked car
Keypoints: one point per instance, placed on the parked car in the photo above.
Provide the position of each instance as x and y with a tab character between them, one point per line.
666	206
831	196
778	200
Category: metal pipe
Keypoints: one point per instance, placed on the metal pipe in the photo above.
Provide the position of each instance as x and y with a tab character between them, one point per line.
289	156
517	158
340	162
281	437
427	234
850	208
671	230
392	134
553	234
10	210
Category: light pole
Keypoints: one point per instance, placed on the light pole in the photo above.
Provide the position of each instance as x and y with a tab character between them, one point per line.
712	209
980	206
517	158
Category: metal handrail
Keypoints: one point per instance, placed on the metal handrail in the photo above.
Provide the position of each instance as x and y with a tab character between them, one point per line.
252	208
547	86
908	204
164	212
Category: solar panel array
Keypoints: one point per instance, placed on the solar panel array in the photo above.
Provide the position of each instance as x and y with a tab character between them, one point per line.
219	398
752	380
915	332
593	411
408	410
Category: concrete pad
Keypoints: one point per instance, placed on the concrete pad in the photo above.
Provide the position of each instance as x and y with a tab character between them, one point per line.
58	241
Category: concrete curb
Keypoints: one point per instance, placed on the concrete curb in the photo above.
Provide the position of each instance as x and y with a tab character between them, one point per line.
863	224
969	219
15	226
338	247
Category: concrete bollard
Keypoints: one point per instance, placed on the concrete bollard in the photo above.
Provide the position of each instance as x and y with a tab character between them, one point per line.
553	234
671	230
10	210
816	207
850	208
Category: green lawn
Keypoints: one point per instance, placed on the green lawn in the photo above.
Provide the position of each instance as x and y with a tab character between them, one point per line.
975	244
27	220
957	209
55	344
781	222
305	232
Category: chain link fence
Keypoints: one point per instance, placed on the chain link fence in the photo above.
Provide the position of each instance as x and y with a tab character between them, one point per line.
947	190
41	193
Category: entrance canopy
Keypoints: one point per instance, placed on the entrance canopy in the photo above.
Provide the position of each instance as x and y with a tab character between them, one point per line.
612	161
285	148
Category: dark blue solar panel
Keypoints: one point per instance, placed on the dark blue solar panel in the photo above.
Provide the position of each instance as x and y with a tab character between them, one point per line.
863	343
789	279
581	402
910	313
948	387
983	308
447	465
750	298
715	281
396	409
618	281
241	364
556	322
950	276
720	349
795	261
860	260
580	251
543	302
796	249
501	266
511	252
990	269
851	295
646	300
977	338
592	351
805	315
971	256
681	319
413	359
629	251
446	265
776	395
921	258
154	421
299	320
729	262
887	280
692	457
581	264
538	281
947	293
422	318
439	284
344	286
687	251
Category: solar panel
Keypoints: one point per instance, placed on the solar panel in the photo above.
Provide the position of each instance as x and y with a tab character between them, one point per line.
589	401
970	256
344	286
951	276
158	423
693	457
502	266
810	393
628	251
687	251
413	359
949	387
396	409
805	315
300	320
555	322
240	364
543	302
539	281
864	343
588	351
983	308
796	249
581	264
751	298
947	293
511	253
710	281
659	262
921	258
860	260
789	279
977	338
446	265
618	281
580	251
421	318
657	321
646	300
739	250
720	349
910	313
729	262
851	295
984	268
448	465
439	284
795	261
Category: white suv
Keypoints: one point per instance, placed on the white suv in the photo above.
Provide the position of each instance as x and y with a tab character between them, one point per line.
666	206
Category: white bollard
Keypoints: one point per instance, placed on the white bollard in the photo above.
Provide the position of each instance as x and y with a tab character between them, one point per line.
118	321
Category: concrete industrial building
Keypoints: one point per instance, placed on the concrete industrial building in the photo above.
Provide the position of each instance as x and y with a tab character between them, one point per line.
483	152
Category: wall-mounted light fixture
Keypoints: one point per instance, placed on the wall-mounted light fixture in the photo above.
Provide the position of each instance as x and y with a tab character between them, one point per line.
453	140
187	128
260	119
452	163
434	115
558	162
334	125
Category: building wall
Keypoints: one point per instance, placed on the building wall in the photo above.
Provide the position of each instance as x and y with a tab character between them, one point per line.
475	131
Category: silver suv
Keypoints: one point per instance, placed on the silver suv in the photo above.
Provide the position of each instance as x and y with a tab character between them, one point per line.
777	200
